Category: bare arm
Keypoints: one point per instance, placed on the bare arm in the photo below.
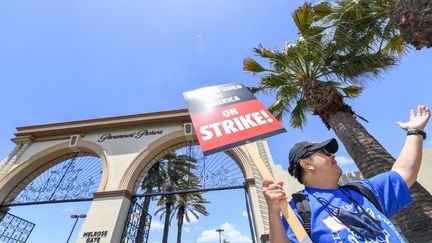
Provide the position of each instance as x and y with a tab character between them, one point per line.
273	193
409	160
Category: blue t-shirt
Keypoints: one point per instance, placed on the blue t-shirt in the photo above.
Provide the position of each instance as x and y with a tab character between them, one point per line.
389	188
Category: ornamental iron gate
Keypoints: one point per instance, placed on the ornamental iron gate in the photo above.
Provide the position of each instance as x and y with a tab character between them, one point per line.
14	229
137	230
181	174
195	171
73	177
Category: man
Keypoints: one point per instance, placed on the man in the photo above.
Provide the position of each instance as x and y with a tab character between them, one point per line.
339	214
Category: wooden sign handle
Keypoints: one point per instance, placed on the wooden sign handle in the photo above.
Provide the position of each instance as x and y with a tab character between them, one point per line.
287	211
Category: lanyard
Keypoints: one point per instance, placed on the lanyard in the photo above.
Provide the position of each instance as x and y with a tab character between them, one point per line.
331	209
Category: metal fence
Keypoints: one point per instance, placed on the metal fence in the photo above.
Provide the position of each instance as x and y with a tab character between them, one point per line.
14	229
137	225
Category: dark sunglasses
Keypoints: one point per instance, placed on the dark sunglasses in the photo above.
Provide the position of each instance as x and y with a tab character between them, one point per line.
326	152
323	150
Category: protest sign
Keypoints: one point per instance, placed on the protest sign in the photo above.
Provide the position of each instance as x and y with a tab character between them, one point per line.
229	115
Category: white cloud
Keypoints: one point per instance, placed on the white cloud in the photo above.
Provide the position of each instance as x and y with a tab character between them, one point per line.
70	210
230	233
192	218
342	160
186	229
208	236
244	214
156	225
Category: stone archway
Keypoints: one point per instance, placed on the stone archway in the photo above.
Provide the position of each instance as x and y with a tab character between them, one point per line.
24	169
56	174
128	157
147	158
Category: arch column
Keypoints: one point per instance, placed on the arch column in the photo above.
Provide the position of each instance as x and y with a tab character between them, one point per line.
106	217
259	153
247	156
22	145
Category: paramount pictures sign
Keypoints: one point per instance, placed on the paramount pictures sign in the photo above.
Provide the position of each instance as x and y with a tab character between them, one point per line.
135	135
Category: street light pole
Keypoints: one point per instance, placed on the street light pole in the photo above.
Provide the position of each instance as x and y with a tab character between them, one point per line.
219	231
76	217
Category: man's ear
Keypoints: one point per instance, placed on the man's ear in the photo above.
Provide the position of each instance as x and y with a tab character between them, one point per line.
306	164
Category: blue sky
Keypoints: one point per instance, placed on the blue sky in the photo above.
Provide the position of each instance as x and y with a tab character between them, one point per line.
232	217
64	61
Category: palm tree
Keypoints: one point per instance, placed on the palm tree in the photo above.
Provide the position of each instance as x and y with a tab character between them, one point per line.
394	23
165	204
150	181
188	204
315	75
173	173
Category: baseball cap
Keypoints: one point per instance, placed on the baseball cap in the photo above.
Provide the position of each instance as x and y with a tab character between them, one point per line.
302	148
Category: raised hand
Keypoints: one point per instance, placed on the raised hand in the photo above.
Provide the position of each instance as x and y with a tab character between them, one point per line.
273	193
416	121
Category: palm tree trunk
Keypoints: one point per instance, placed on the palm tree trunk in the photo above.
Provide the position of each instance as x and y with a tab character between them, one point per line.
151	180
167	222
180	224
415	222
413	19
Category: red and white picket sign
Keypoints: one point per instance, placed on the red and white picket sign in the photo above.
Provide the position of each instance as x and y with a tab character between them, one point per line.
229	115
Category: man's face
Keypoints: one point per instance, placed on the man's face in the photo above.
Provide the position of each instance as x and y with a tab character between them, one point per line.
325	163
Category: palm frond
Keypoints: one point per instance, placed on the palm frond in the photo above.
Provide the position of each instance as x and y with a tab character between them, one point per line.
298	118
161	211
322	10
264	52
352	91
303	18
367	24
359	68
250	65
254	90
285	96
396	45
187	217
